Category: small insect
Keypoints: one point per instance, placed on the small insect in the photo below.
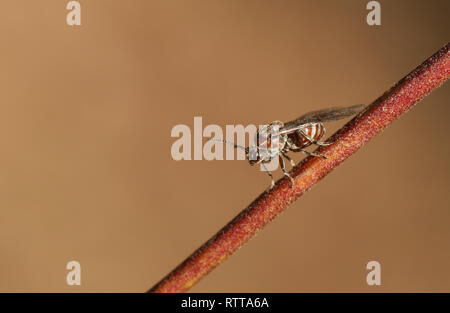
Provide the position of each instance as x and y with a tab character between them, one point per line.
294	136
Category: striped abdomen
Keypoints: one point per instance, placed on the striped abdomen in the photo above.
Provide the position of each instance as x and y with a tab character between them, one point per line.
313	130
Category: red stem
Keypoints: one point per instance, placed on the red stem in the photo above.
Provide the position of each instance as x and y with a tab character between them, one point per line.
377	116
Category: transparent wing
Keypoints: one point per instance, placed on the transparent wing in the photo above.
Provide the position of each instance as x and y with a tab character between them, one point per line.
325	115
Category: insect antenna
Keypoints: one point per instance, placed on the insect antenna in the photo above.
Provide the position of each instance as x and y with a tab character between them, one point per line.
236	146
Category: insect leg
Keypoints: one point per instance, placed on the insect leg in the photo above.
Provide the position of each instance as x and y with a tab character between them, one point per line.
259	161
308	153
319	143
288	158
313	154
283	168
272	181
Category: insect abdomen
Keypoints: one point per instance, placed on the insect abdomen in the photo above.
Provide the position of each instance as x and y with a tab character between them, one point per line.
313	130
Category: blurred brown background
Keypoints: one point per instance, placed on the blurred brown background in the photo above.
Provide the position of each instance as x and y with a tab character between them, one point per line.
86	170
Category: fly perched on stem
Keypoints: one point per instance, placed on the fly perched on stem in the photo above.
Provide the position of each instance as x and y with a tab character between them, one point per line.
293	136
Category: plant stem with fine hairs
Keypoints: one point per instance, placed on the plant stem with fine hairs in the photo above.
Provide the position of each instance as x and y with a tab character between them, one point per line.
377	116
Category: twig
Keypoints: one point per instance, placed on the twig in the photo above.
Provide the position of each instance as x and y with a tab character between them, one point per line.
377	116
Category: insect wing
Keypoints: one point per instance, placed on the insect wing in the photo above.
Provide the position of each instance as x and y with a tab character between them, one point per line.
325	115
